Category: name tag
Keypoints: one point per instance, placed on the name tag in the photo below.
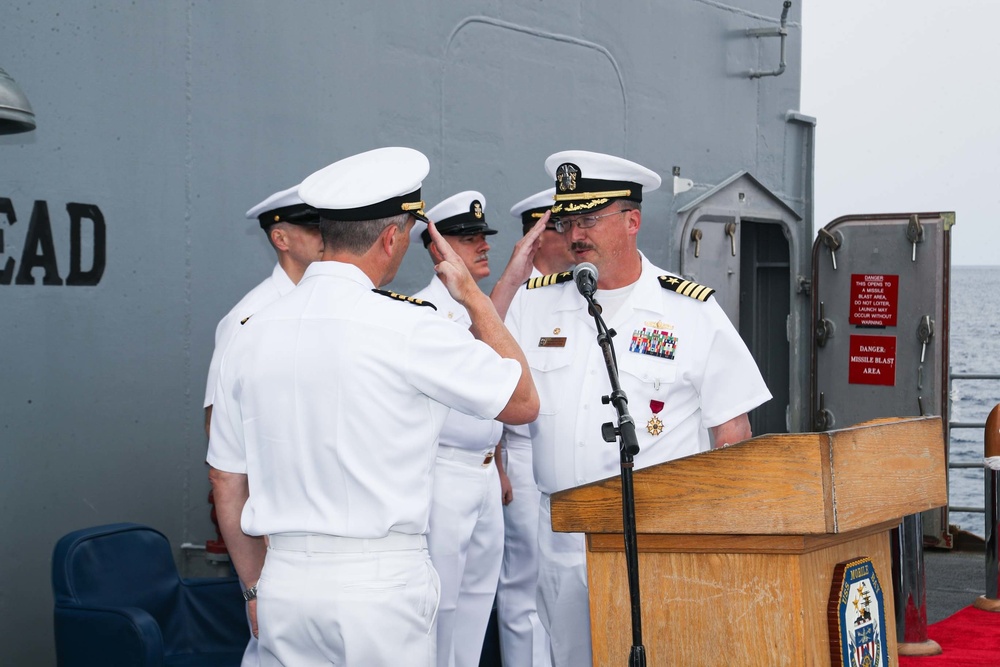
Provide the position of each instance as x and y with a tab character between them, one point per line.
552	341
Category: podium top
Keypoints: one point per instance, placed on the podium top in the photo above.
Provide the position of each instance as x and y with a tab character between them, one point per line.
787	484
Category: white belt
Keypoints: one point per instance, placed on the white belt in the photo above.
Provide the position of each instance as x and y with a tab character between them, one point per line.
476	457
332	544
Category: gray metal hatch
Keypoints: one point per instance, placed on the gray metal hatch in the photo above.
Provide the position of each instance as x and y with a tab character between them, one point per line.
880	333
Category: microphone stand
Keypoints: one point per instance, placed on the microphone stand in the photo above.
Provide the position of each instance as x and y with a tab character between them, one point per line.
629	447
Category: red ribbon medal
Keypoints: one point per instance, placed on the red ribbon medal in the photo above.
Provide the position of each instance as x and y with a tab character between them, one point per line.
654	426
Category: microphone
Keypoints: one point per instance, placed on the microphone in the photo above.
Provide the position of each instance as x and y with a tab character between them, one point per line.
585	277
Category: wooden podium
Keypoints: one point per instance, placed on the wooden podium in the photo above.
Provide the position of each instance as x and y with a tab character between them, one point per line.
737	546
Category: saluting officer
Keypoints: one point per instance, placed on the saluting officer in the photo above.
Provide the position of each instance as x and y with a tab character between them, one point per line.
523	640
329	406
689	378
466	524
553	254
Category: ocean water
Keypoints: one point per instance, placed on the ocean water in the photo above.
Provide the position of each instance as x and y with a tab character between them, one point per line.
975	348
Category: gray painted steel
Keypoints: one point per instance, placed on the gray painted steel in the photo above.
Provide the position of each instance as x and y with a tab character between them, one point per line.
173	118
916	383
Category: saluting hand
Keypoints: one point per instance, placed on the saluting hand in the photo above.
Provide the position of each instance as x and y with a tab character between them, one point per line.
519	267
522	258
452	270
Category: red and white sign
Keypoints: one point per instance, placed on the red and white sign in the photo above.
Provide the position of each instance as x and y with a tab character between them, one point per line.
874	299
873	360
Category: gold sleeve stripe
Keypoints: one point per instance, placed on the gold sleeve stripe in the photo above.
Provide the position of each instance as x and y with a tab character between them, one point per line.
551	279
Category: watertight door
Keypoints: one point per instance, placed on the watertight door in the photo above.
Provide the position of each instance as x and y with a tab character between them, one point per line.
744	241
880	323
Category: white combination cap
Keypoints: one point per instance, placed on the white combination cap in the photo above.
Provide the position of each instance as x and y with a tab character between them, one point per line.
377	184
587	181
463	214
534	207
284	206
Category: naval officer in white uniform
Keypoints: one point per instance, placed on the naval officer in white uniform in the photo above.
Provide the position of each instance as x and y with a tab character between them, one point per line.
689	378
523	640
292	228
328	409
465	539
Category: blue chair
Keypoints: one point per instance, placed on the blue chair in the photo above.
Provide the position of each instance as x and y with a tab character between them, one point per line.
120	601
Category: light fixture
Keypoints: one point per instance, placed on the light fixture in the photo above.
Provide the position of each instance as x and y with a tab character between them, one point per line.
15	110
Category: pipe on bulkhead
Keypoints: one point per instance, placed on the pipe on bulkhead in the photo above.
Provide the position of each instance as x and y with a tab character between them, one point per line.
782	32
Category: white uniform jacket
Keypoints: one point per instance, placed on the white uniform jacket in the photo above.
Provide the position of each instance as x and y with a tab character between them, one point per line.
385	372
680	360
460	430
272	288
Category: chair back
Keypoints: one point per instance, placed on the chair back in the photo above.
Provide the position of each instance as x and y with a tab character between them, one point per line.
118	565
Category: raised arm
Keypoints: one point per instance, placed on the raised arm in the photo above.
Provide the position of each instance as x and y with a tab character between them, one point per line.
518	268
487	326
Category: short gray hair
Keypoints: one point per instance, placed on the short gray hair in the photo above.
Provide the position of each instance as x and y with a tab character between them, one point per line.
356	237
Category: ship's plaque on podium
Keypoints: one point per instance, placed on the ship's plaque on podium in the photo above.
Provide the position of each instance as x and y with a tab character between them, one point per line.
857	616
738	546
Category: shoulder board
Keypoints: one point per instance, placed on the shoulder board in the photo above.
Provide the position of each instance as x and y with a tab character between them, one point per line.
551	279
245	320
403	297
686	287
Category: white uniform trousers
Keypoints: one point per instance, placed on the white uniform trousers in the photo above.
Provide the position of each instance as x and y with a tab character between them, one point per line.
347	607
563	602
250	655
466	546
523	640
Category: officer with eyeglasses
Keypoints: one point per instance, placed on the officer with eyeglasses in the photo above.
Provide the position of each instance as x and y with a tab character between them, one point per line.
689	378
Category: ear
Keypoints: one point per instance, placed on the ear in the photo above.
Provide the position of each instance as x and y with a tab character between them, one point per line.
436	256
633	222
388	239
279	237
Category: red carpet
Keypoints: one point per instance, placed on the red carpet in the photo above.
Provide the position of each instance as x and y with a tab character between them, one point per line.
969	638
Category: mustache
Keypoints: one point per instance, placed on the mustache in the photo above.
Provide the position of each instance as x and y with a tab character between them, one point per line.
580	245
482	257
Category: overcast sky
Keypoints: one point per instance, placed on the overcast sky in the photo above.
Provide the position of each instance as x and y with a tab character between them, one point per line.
906	99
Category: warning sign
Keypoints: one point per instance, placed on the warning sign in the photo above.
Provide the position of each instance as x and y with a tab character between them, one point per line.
873	360
874	299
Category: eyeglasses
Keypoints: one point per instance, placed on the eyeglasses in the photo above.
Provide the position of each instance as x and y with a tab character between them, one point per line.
563	225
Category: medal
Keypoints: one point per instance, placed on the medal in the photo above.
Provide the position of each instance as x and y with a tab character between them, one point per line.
654	426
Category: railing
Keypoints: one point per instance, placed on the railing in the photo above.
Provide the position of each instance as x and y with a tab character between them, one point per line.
955	424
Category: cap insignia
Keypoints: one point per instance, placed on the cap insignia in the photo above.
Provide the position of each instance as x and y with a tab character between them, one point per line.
584	206
551	279
477	209
402	297
686	287
566	176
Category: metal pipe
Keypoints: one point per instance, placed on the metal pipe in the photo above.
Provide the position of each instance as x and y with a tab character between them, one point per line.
781	32
967	424
910	582
991	449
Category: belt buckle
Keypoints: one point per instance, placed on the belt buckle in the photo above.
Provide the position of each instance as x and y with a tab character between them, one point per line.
488	460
